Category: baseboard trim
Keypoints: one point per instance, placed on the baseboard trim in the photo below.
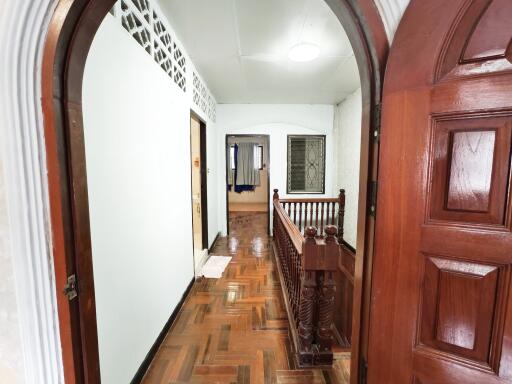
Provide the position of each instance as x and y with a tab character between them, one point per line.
214	242
141	372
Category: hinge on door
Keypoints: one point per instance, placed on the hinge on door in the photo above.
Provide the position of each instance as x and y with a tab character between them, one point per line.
70	288
376	122
363	371
372	198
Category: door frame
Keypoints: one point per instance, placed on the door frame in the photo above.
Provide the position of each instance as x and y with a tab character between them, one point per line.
269	198
68	40
204	177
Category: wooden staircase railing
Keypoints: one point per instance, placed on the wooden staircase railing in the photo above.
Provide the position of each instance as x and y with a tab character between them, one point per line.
307	264
319	212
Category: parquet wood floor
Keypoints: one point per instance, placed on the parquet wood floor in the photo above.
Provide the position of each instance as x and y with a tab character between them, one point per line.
235	329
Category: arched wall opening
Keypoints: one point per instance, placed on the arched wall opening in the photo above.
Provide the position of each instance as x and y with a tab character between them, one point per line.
69	38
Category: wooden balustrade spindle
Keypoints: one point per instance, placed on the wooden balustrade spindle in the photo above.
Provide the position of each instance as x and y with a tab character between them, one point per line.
306	204
316	221
306	312
327	213
295	213
297	277
300	216
341	215
309	205
333	216
322	219
290	272
311	214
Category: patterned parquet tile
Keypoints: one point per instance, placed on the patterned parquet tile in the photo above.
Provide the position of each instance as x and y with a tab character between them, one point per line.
234	329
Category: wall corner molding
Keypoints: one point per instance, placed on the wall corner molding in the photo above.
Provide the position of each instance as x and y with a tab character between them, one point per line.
23	26
391	12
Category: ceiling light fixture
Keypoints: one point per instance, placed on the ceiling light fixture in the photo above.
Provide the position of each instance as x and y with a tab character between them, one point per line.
304	52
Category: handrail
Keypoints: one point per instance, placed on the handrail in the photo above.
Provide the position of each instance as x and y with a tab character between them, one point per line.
306	264
310	200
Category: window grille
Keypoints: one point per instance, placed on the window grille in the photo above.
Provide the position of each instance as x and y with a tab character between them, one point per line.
306	164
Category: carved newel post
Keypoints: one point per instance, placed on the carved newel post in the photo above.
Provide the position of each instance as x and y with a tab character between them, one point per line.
307	306
326	292
341	215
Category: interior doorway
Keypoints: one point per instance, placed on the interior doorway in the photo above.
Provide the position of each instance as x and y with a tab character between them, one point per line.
199	182
71	32
247	177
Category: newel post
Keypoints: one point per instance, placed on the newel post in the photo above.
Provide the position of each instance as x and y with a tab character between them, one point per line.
341	215
326	293
307	305
276	194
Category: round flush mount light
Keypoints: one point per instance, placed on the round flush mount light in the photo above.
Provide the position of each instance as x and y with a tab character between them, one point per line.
304	52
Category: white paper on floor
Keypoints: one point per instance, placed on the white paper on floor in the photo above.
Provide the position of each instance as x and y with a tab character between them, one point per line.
215	266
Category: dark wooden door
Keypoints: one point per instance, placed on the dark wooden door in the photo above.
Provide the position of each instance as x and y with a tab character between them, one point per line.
441	305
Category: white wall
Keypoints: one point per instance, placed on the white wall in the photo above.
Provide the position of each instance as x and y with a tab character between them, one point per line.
347	137
277	121
137	134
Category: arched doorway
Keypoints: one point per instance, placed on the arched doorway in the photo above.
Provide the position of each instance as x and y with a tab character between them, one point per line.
69	38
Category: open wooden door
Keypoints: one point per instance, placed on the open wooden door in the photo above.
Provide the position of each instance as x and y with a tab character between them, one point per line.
199	185
441	306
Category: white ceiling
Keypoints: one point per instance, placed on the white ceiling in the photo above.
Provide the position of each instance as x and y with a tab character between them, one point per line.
241	47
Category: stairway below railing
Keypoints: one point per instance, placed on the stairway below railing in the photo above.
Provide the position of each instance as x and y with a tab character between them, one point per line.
307	264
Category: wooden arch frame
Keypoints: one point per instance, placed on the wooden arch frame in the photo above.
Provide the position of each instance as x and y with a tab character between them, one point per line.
70	35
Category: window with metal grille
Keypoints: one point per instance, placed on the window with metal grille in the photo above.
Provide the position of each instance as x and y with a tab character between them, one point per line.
306	164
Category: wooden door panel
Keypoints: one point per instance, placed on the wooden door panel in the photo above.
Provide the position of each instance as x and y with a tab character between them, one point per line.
480	40
472	94
458	306
464	241
441	303
432	369
471	166
492	35
471	154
